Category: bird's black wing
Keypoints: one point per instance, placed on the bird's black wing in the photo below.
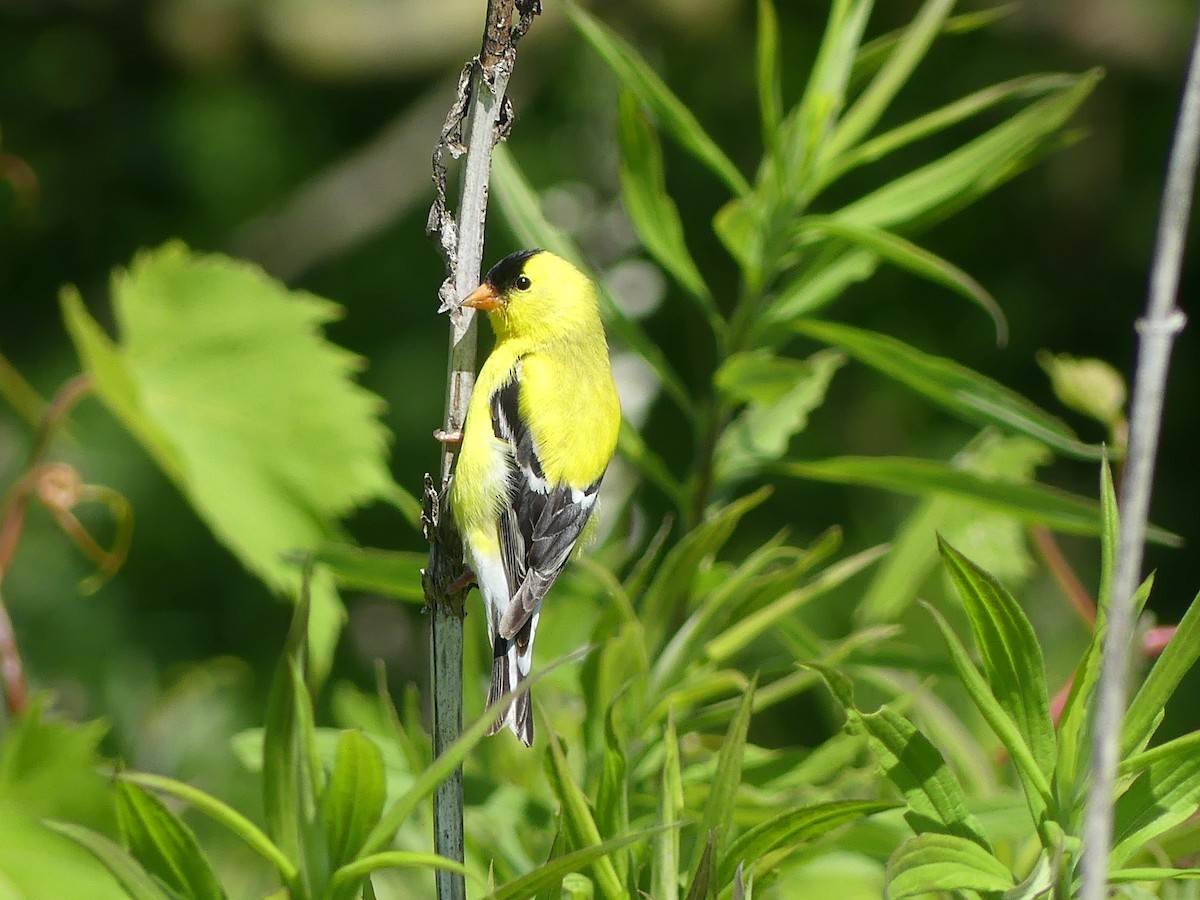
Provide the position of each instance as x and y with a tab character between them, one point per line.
541	522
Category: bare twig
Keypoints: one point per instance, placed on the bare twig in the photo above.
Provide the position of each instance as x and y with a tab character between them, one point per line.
477	119
1156	333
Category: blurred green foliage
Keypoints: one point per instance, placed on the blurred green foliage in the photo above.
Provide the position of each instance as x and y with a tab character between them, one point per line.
239	128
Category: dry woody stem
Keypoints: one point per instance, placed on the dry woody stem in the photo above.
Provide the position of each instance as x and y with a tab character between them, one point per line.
1156	333
479	116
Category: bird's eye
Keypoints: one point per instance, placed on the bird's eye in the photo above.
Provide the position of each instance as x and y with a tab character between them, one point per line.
523	283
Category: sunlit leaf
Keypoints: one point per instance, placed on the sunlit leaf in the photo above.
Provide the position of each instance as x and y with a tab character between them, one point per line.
1176	660
1166	793
929	863
390	573
224	376
164	845
353	799
666	861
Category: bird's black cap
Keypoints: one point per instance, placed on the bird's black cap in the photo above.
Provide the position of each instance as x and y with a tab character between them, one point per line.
503	275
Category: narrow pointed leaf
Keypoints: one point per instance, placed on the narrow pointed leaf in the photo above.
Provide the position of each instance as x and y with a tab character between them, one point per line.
910	257
1048	506
703	884
794	826
612	798
1165	794
637	77
929	863
722	792
961	391
665	867
650	207
164	845
1011	653
353	799
1176	660
770	92
578	822
136	881
353	873
935	799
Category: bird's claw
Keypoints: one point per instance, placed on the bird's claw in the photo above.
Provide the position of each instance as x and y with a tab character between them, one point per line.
463	582
448	437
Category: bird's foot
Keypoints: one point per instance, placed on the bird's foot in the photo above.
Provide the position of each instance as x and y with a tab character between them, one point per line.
448	437
463	582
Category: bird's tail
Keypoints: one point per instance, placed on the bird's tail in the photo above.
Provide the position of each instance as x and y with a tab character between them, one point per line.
511	663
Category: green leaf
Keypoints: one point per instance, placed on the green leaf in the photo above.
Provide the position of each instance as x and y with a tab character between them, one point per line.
246	830
869	151
136	881
577	820
1033	779
972	170
1165	793
650	207
781	394
961	391
1011	653
754	625
908	51
819	284
929	863
225	378
766	67
1145	712
703	885
164	845
794	826
911	258
722	791
1151	873
390	573
666	864
1089	386
738	227
1048	506
554	870
935	798
612	798
353	873
522	210
353	800
673	579
638	78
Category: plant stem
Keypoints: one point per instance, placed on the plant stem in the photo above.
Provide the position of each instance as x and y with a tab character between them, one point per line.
1156	333
482	108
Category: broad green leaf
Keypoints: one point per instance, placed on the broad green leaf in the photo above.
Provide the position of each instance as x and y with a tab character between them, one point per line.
224	376
612	798
136	881
522	210
908	256
779	405
995	538
665	867
164	845
650	207
578	823
957	389
554	870
444	764
929	863
391	573
225	815
1145	712
794	826
766	67
1011	654
353	799
722	790
673	117
673	579
739	228
1034	780
869	151
972	170
866	111
1029	502
754	625
1166	793
935	798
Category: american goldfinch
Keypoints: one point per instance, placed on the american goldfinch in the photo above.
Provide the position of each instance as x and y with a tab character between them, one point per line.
540	431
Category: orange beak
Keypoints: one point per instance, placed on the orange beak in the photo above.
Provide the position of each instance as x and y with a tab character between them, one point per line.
483	297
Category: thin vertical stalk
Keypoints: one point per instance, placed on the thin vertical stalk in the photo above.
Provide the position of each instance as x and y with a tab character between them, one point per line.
476	120
1156	334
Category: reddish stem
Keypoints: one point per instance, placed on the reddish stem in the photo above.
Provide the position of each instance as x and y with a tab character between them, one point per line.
1081	601
12	674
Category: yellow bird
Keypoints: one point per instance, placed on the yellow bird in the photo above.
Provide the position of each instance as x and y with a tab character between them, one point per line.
540	431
